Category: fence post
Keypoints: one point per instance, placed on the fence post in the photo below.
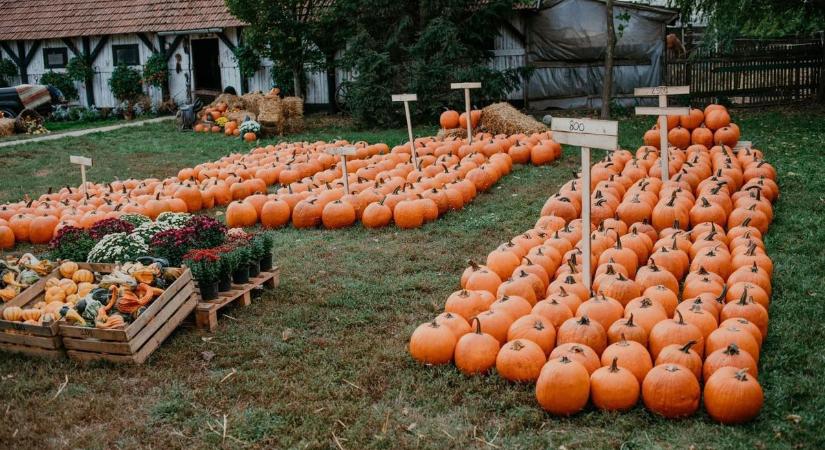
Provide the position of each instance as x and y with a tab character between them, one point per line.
820	94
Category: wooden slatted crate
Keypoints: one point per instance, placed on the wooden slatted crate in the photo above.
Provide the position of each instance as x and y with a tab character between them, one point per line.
138	340
206	313
33	340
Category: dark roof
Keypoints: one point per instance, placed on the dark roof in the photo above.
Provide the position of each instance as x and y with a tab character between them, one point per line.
49	19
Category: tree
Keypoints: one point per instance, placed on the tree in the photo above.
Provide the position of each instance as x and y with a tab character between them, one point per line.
420	47
607	87
729	19
287	32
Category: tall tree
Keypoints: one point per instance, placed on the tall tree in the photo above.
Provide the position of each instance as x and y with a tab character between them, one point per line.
607	87
286	32
728	19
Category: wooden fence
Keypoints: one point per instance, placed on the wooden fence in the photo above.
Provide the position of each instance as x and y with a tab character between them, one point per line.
751	72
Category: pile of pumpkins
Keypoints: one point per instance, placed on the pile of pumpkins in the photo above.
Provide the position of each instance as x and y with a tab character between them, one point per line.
451	119
311	179
680	294
385	186
708	127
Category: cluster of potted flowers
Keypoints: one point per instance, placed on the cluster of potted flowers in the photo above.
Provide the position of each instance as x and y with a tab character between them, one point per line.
241	256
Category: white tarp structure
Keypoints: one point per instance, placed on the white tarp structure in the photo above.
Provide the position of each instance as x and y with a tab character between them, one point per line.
566	42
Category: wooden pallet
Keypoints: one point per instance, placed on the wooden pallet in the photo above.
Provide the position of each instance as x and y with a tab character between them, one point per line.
135	343
33	340
206	314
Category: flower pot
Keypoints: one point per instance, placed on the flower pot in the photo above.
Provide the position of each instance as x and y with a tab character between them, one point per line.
254	269
225	283
266	263
241	275
209	291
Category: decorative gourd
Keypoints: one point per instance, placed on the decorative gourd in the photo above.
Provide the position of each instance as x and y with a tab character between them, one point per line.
83	275
55	294
68	286
13	314
31	314
67	269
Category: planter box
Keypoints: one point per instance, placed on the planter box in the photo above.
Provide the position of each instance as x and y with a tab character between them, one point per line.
138	340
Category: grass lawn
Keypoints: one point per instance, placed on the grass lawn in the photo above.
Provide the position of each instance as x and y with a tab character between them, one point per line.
321	362
61	127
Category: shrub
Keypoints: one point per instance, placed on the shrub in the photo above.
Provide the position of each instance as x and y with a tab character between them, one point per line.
126	84
80	68
173	219
7	70
172	244
118	247
209	232
61	81
109	226
71	243
156	70
136	219
204	265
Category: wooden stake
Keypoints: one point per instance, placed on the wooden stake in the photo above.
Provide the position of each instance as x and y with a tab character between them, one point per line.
587	134
662	111
407	98
83	162
467	87
343	152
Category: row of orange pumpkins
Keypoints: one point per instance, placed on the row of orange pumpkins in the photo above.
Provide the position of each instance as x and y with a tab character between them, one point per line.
449	174
708	127
696	238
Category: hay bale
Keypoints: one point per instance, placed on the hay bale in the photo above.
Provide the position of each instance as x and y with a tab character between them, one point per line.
251	101
270	111
6	127
240	116
293	107
455	133
502	118
270	131
233	102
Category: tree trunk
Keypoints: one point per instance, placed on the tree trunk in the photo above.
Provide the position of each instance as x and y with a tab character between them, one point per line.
296	82
331	82
607	88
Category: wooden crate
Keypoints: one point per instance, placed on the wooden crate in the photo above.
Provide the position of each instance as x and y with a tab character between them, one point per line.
34	340
206	314
135	343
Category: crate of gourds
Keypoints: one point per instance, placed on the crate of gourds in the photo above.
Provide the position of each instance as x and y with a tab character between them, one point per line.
131	309
25	328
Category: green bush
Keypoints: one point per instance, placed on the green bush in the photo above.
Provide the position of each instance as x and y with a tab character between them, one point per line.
156	70
126	84
7	70
80	68
61	81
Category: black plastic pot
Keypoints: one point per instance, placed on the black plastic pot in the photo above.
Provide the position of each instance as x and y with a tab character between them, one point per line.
225	283
266	263
254	269
241	274
209	291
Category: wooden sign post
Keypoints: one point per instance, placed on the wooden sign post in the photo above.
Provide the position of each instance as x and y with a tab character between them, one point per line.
83	162
343	152
407	98
662	111
467	87
587	134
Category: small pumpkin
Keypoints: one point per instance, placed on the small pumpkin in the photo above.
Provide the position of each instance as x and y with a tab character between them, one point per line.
13	314
520	360
476	352
671	390
55	294
67	269
732	396
614	388
83	275
432	343
563	387
582	330
31	314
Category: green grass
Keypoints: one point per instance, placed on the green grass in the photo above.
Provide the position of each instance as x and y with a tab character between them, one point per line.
63	126
348	302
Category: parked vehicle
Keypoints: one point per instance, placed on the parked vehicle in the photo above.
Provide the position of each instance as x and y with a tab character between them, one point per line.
11	105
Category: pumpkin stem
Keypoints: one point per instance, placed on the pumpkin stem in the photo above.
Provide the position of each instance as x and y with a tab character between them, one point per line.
478	324
584	320
538	325
681	319
743	299
529	263
565	360
723	295
614	367
517	345
686	348
562	292
741	374
732	349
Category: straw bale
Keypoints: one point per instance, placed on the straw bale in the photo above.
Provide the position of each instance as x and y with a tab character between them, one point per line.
503	118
